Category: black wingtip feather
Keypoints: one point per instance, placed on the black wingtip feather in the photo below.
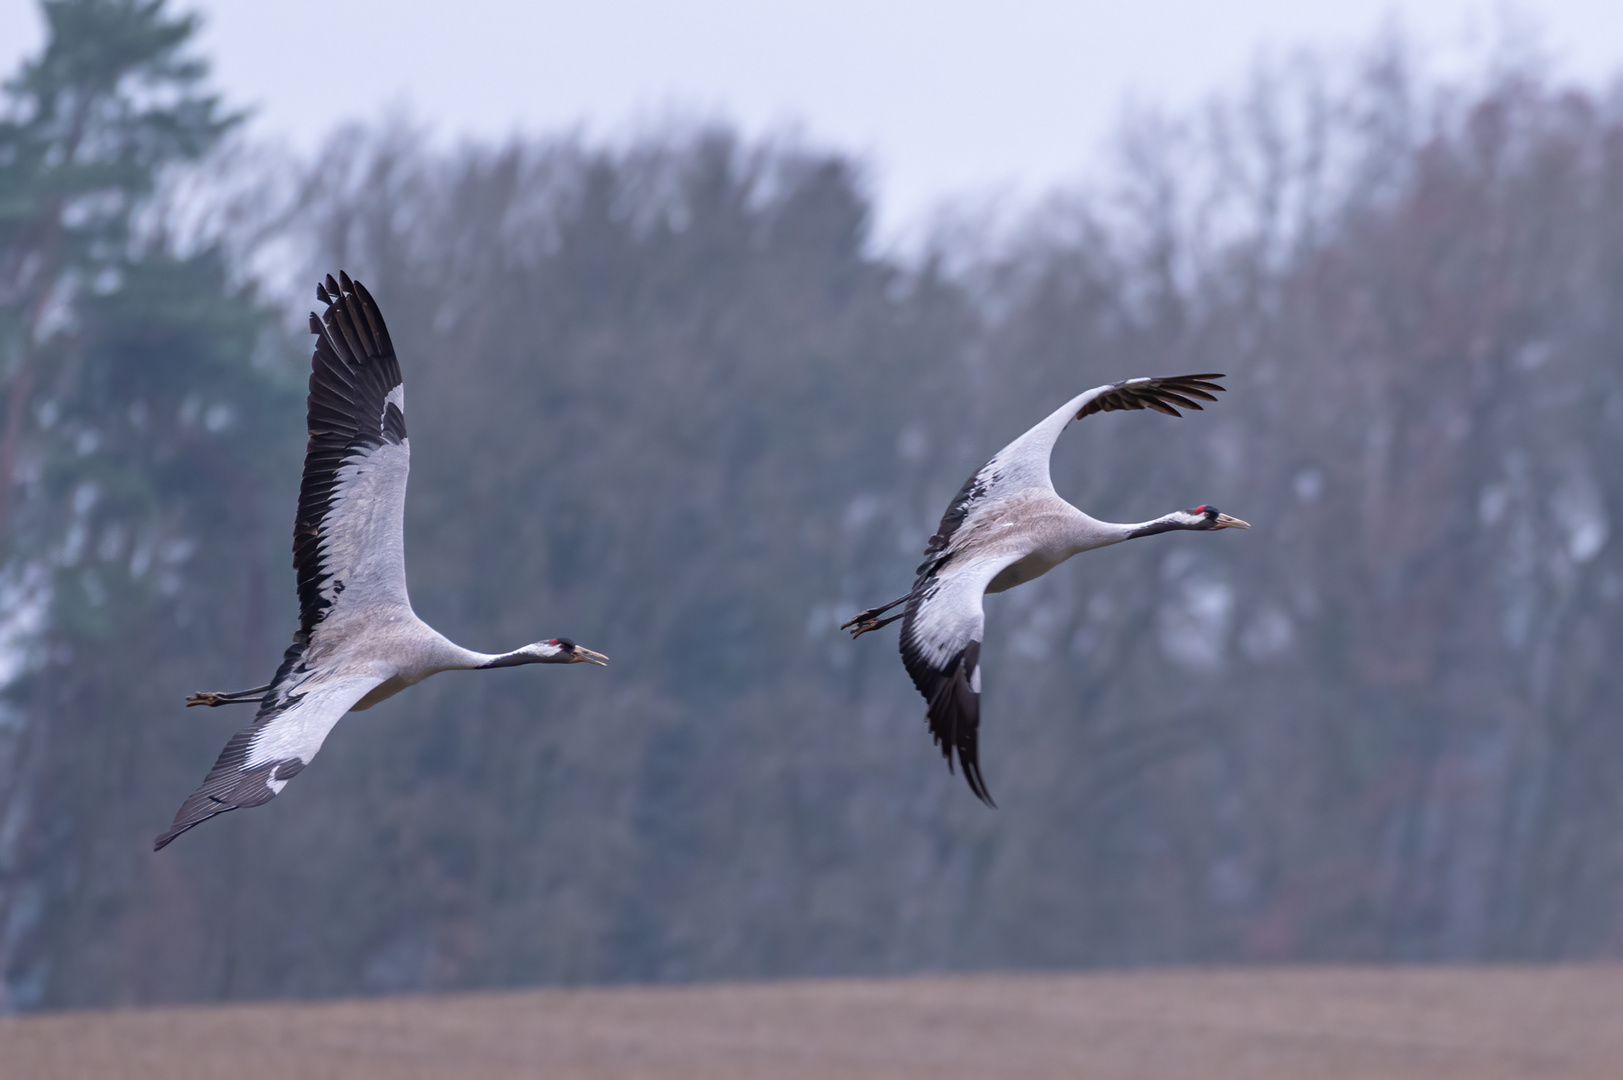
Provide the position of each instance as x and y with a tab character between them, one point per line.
1162	394
1180	400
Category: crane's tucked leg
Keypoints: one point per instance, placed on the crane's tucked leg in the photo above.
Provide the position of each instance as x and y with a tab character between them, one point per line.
869	620
235	697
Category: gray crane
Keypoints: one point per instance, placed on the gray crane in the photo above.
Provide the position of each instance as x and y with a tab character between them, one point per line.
358	641
1006	526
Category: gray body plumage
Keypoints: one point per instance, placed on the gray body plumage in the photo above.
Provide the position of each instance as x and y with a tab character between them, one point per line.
358	642
1008	526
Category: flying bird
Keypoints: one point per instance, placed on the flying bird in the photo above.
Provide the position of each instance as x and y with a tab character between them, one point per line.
1006	526
358	641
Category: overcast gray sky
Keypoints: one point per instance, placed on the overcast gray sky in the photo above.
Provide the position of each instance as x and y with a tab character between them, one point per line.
941	97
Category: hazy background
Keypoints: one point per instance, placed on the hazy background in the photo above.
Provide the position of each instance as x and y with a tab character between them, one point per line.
692	383
939	100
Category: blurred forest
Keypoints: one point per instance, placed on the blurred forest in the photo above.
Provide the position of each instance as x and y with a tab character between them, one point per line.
669	397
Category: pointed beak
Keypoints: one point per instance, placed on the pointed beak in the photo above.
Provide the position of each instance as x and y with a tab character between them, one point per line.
1226	522
586	656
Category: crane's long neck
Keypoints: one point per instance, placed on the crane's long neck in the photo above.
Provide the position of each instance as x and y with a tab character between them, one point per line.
424	651
1092	533
447	655
495	660
1178	519
540	652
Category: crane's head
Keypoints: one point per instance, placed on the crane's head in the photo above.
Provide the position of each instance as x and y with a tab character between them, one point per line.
560	650
1208	517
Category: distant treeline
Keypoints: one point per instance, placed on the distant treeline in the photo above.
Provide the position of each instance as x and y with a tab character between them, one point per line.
668	397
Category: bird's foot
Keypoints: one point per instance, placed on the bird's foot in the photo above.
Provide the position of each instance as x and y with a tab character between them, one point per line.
235	697
864	621
867	621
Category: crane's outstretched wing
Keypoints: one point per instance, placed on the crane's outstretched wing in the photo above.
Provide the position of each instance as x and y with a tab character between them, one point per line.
348	553
300	710
941	649
1024	462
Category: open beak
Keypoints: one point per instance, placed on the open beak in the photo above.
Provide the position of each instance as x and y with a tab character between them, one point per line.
579	655
1226	522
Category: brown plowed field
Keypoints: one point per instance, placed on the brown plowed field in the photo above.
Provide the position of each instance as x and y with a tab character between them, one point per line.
1261	1024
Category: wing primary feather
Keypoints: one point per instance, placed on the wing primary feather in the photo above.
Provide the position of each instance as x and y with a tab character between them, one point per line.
1171	398
363	333
374	319
346	328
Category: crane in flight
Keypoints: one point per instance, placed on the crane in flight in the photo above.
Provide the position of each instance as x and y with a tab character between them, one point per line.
1006	526
358	641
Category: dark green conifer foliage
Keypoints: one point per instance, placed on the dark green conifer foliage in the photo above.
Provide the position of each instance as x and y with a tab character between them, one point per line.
134	424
